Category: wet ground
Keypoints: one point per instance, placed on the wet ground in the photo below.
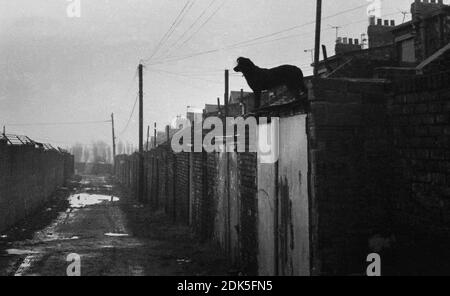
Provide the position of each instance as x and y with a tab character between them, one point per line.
112	234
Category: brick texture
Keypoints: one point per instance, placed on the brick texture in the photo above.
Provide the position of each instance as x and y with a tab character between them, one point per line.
28	178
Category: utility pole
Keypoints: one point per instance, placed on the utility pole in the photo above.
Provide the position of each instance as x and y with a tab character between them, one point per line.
168	134
218	106
141	135
317	43
148	136
227	90
242	102
154	138
113	141
226	98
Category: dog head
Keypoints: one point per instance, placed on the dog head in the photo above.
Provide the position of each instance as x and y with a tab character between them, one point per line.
243	65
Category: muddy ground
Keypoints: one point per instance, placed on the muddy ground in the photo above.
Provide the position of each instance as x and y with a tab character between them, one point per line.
112	233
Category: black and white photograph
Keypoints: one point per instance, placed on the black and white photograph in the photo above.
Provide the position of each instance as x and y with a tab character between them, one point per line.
224	143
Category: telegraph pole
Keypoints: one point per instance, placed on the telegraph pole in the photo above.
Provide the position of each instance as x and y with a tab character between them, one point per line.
227	90
154	140
141	135
225	139
148	136
113	141
317	43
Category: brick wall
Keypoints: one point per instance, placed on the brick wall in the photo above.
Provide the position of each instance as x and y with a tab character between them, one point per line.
379	166
198	194
420	112
186	186
182	187
247	171
28	178
350	162
211	184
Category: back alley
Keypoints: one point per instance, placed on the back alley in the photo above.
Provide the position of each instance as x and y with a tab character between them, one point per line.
111	232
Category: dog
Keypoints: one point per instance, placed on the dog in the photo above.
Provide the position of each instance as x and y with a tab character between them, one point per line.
260	79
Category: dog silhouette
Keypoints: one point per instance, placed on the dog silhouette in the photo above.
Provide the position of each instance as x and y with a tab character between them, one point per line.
260	79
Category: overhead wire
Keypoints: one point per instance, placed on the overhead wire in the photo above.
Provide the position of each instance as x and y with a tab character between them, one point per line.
168	32
244	43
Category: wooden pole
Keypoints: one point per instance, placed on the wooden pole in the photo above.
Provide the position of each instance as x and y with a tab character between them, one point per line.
154	138
226	97
168	134
148	136
317	43
113	141
141	135
218	106
227	90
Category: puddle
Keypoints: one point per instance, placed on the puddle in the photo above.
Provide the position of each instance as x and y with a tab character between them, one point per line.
20	252
184	261
84	200
27	263
108	247
117	234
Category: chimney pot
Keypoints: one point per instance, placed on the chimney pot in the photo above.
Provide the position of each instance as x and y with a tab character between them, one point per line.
379	22
345	40
356	41
386	22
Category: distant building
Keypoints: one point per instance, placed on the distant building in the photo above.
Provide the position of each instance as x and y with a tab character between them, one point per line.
398	49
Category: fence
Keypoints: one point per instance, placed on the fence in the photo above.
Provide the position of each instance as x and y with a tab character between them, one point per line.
29	174
228	197
365	170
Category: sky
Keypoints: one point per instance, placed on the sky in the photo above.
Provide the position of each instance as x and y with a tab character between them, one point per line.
75	72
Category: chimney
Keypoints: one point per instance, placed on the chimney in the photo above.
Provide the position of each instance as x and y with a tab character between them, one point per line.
422	8
345	44
380	34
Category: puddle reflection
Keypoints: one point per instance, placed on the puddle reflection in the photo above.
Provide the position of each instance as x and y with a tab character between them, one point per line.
82	200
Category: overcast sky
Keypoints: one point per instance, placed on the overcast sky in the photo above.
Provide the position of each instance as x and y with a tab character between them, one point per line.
59	69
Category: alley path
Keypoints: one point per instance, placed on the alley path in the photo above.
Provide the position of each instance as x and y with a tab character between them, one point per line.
112	233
